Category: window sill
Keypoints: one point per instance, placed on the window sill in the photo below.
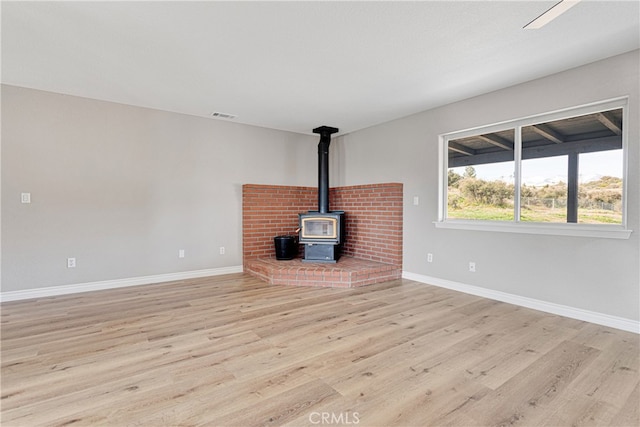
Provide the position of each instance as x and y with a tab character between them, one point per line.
577	230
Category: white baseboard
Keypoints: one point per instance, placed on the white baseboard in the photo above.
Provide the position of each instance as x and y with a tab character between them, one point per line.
112	284
548	307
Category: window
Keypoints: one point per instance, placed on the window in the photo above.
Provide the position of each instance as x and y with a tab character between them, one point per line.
558	173
481	177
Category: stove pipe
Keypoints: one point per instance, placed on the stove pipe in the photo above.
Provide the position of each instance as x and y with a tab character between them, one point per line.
323	166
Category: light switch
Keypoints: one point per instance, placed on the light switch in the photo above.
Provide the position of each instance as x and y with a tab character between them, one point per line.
25	197
416	201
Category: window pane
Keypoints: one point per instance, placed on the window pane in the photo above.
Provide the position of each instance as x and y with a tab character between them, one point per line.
480	177
572	170
600	195
544	190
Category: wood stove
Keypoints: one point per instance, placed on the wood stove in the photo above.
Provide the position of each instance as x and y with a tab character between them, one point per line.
322	235
322	231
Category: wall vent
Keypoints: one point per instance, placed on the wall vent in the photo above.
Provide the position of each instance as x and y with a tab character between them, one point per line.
219	115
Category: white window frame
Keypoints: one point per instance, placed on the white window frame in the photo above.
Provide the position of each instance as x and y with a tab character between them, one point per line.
613	231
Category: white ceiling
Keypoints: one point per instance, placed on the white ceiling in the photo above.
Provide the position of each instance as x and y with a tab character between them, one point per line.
298	65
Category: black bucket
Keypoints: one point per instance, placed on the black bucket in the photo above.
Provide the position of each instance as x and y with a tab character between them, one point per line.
286	247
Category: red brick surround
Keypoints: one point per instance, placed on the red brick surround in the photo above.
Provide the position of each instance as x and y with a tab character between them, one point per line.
373	222
269	211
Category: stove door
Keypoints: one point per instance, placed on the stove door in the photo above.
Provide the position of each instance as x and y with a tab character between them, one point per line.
319	228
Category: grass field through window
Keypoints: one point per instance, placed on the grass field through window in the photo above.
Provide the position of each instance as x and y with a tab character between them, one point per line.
476	199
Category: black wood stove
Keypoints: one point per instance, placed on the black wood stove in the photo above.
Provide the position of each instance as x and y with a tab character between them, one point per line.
322	231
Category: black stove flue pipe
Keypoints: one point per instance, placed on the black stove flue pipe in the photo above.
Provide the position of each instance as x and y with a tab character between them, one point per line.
323	166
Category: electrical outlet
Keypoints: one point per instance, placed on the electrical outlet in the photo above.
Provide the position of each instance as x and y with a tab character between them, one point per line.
472	267
181	253
71	263
222	250
429	257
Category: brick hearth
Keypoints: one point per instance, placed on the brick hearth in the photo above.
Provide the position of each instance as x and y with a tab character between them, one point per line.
373	248
348	272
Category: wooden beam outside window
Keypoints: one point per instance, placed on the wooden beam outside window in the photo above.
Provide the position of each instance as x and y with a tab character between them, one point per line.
606	119
497	141
548	133
459	148
572	188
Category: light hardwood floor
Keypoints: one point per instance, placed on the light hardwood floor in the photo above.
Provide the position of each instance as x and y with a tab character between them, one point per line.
234	351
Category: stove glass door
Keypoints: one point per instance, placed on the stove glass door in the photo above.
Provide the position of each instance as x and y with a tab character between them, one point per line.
319	228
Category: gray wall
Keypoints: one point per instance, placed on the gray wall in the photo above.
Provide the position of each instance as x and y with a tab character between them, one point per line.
123	188
595	274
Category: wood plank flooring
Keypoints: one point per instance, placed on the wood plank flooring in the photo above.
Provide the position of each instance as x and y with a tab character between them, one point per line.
234	351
